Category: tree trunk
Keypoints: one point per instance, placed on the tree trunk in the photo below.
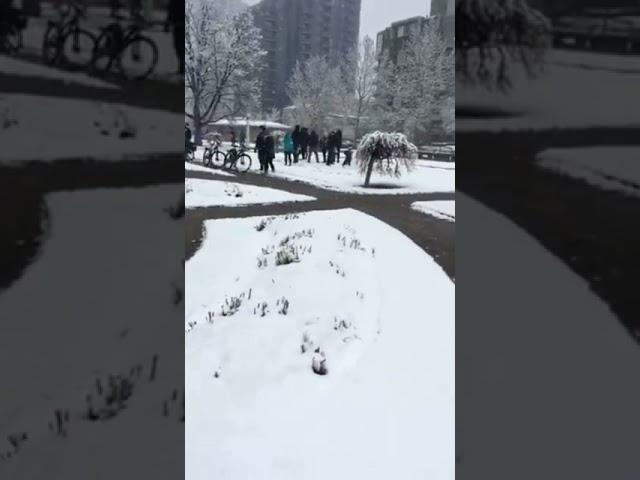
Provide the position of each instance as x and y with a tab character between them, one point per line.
197	121
367	179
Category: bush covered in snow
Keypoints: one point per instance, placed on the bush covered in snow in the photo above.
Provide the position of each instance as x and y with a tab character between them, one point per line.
386	152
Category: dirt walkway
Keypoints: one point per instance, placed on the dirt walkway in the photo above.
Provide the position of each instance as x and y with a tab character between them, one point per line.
435	236
593	231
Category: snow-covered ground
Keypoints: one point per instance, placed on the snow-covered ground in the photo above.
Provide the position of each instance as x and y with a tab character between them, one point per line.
255	409
213	193
547	372
34	130
443	209
13	66
562	96
194	167
427	177
610	168
78	319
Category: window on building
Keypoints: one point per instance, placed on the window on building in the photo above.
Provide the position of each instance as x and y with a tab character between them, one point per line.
402	31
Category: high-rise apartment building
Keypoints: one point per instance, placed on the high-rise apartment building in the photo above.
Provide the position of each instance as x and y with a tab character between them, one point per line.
294	30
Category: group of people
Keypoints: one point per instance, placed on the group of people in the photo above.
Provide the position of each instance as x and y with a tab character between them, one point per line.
304	143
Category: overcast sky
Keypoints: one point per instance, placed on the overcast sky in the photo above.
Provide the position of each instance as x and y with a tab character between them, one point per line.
379	14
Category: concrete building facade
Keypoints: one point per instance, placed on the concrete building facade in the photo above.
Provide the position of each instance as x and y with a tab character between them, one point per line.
295	30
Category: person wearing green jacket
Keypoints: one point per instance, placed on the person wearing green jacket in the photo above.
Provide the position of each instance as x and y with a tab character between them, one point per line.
288	148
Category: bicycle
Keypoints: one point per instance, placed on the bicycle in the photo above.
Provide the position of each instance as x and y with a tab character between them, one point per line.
133	54
213	156
237	159
65	42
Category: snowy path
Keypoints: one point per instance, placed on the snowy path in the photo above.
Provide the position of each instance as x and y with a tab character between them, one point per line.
436	237
590	229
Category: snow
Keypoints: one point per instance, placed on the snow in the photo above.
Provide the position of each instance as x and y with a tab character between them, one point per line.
194	167
610	168
385	409
427	177
443	209
548	374
13	66
79	133
79	247
562	97
241	122
212	193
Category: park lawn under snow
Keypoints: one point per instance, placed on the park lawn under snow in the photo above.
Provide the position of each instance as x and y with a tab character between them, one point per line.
545	362
427	177
213	193
83	228
610	168
33	130
443	209
562	96
13	66
378	306
194	167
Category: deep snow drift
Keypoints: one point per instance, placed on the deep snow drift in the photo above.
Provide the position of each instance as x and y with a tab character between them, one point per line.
610	168
378	307
443	209
213	193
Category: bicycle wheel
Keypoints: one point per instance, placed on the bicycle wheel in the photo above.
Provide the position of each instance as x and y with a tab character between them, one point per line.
138	58
243	163
77	47
102	57
218	159
51	44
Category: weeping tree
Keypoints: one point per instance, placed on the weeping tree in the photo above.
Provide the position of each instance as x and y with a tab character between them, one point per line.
386	153
492	34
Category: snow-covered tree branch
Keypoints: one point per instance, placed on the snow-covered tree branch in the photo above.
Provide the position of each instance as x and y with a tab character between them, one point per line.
362	69
223	57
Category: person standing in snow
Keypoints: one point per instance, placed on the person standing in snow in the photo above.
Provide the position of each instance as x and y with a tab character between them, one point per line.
323	147
296	143
304	142
331	147
175	17
270	146
319	362
288	149
261	148
313	145
338	144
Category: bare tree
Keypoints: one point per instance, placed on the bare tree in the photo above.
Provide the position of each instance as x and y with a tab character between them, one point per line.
315	91
492	34
414	92
222	60
362	69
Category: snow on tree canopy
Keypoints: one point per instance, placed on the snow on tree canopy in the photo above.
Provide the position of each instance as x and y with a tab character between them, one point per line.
385	152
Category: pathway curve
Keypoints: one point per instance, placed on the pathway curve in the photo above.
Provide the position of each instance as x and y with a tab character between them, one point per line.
435	236
593	231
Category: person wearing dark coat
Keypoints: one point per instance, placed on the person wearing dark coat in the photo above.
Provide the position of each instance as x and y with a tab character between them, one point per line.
175	18
331	148
265	146
323	147
313	145
304	142
338	144
295	136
